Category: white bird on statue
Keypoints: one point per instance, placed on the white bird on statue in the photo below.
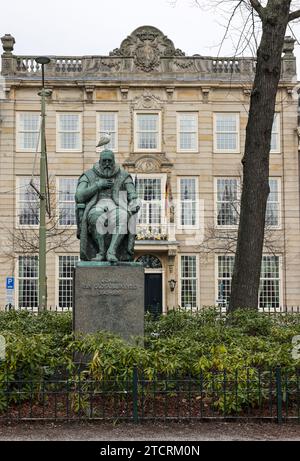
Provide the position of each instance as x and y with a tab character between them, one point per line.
105	139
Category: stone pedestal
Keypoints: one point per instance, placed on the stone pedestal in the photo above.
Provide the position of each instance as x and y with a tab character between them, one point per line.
109	297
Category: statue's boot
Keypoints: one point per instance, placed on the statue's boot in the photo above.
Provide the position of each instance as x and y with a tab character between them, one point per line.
116	239
101	244
130	247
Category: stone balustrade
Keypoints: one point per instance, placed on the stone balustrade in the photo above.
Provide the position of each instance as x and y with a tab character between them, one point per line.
208	68
141	57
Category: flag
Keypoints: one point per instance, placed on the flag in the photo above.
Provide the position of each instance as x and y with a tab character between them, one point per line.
168	195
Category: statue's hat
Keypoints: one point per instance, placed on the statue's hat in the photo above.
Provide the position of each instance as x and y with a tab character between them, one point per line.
106	153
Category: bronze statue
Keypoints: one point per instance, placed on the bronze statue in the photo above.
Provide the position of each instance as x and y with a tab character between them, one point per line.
106	211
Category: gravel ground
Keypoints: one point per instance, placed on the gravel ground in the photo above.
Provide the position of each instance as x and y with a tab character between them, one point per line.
144	432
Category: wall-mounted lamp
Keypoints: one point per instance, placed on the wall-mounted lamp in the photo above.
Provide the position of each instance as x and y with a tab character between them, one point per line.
172	284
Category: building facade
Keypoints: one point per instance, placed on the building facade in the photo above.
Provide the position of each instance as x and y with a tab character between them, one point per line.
177	123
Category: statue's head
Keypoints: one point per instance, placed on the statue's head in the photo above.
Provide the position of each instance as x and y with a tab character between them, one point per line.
107	162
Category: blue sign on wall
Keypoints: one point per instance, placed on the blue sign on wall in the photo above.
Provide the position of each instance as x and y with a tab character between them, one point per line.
10	283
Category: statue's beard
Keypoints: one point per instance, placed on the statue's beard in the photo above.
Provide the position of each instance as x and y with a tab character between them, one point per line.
107	171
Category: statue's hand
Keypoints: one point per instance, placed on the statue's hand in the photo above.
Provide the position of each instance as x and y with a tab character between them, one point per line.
134	206
104	183
135	210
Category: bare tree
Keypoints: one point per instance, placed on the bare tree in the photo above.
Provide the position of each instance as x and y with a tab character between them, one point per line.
265	22
24	238
221	233
275	17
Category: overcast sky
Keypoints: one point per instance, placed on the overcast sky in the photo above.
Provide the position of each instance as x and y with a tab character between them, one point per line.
83	27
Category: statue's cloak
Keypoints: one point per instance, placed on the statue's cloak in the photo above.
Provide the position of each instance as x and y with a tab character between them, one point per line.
88	249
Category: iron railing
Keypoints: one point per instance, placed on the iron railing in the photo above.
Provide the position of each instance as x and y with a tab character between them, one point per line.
250	394
157	309
35	309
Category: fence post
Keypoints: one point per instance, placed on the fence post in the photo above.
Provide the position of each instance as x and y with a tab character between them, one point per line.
135	395
279	395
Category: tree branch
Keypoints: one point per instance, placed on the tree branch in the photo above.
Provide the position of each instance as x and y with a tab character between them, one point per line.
294	15
256	5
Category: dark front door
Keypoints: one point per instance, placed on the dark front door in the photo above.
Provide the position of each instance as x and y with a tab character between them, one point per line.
153	293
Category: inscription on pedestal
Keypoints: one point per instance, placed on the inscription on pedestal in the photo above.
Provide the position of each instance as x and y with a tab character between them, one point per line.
109	297
108	287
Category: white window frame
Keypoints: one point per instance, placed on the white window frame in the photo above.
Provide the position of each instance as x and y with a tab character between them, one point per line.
19	148
187	226
280	262
277	122
163	178
217	276
178	115
58	147
150	112
226	151
57	278
197	280
216	178
17	279
98	128
280	271
18	208
63	226
278	179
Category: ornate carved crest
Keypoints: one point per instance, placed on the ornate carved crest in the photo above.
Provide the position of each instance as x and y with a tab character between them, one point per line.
147	45
146	101
147	57
147	165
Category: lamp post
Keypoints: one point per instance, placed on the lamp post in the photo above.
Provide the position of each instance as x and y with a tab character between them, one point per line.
42	227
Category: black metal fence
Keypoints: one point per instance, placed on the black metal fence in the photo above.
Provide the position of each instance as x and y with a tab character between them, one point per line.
250	394
156	310
36	310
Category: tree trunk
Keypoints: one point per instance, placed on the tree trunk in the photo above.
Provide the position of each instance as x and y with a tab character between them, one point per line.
247	267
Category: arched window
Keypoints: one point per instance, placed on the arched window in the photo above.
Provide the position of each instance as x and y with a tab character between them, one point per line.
149	261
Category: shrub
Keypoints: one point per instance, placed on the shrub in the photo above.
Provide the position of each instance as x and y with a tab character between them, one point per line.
178	344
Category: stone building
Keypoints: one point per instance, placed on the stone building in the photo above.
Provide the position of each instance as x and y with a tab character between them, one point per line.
177	124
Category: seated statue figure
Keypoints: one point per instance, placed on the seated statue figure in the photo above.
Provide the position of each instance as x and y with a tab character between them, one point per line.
106	210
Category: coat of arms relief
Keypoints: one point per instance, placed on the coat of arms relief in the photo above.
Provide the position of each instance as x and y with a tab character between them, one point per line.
146	45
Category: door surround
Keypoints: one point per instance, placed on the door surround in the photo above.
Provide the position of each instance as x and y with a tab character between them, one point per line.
158	270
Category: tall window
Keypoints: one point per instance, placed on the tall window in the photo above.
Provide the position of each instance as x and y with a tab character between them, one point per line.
108	123
275	138
273	204
150	192
28	203
66	201
65	280
188	279
28	127
28	282
188	205
225	268
147	131
227	201
69	132
187	132
226	132
269	291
